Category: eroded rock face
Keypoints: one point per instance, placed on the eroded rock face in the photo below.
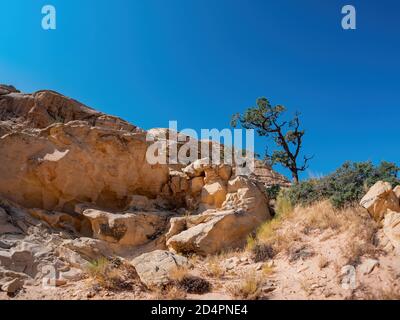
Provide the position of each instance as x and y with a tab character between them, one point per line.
127	228
43	108
58	167
379	199
154	268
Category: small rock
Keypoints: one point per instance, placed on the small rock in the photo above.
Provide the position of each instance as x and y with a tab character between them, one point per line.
12	286
154	267
60	282
231	263
368	266
72	275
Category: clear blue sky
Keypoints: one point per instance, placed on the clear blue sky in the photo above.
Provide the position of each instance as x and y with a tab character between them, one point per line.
200	61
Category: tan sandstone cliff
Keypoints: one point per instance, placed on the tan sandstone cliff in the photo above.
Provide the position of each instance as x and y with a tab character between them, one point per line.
66	167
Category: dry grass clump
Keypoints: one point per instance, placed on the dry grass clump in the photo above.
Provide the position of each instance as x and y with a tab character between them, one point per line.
267	270
249	288
214	268
262	252
113	274
184	281
194	284
271	238
305	285
322	216
323	262
178	273
169	292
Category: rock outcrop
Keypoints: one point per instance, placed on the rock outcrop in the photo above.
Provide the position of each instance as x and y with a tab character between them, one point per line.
244	208
66	164
129	229
383	204
391	228
75	186
379	199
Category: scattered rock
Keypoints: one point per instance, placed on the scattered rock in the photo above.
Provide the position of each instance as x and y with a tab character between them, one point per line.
230	263
154	268
73	274
12	286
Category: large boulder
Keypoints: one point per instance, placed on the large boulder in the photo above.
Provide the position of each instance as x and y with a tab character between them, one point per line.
243	210
213	194
80	250
379	199
397	192
131	229
154	268
19	260
391	228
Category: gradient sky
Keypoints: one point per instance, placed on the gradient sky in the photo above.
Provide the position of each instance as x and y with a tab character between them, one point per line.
200	61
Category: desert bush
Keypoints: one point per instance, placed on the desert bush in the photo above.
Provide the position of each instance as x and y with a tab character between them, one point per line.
169	292
184	281
273	191
193	284
262	252
346	185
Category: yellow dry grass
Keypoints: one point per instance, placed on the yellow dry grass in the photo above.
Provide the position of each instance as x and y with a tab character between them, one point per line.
249	288
290	227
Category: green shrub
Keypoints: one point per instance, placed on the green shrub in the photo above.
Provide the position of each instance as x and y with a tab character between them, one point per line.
346	185
272	192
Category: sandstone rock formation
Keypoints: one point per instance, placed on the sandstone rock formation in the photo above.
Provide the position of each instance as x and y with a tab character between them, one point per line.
383	203
245	208
131	229
75	186
391	228
379	199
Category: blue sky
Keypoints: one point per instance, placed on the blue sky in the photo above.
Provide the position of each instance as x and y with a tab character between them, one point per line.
200	61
